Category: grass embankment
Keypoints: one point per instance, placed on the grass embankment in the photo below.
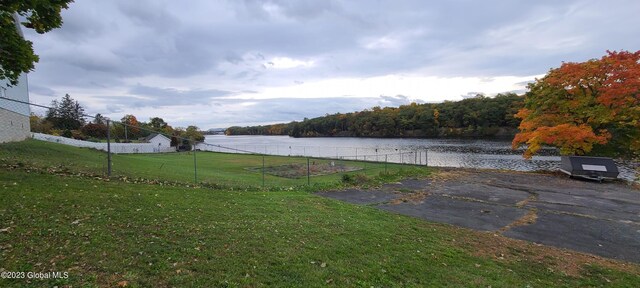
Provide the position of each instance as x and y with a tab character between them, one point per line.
224	170
109	232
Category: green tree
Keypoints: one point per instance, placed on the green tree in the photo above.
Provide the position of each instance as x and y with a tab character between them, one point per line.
99	119
193	133
17	53
157	123
67	114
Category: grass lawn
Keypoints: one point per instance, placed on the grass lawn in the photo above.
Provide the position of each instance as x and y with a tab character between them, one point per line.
232	170
104	233
112	233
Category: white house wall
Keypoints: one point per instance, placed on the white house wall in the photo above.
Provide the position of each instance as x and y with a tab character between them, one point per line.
14	117
13	126
117	148
18	92
164	142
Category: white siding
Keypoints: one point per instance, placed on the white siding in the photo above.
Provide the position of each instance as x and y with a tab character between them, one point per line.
160	141
116	148
18	92
14	117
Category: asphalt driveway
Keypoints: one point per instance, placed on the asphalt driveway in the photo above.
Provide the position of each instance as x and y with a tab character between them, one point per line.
601	219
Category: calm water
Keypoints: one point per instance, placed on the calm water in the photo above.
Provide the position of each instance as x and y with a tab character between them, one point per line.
470	153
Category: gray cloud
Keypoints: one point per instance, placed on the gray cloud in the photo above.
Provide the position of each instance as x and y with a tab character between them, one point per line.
45	91
165	96
144	49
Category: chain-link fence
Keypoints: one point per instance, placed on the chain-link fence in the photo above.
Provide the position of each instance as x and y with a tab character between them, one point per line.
237	164
201	163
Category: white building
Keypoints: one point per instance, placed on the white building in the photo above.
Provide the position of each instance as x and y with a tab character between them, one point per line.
14	116
158	140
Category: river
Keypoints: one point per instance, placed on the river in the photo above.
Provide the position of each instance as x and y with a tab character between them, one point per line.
469	153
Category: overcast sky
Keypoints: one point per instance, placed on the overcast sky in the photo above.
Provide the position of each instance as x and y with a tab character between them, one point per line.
222	63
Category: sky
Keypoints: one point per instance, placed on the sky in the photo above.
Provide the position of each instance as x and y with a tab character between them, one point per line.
216	64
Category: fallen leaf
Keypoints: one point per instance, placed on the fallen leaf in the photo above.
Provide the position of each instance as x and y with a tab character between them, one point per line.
123	283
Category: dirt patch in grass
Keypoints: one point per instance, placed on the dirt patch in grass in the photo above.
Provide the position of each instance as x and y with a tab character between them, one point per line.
299	170
446	174
500	248
415	197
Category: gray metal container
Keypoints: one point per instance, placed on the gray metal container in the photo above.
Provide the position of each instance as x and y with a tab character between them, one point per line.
595	168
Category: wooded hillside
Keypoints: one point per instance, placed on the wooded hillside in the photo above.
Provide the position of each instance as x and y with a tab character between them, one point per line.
473	117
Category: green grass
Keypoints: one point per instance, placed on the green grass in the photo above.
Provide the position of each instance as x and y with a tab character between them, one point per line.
222	169
54	218
104	232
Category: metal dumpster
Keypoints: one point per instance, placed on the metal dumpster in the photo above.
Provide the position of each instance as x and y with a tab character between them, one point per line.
594	168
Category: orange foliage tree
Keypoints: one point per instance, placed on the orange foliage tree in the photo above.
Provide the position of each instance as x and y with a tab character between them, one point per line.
580	106
132	123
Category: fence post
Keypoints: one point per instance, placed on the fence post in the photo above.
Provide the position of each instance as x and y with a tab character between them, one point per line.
426	157
262	171
308	172
365	162
385	163
108	149
195	164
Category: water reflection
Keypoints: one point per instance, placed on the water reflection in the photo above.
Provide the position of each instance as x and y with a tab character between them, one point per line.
468	153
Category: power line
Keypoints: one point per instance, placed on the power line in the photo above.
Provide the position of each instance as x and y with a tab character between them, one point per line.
167	134
133	126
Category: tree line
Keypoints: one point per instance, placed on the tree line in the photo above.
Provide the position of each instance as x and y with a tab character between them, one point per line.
66	118
479	116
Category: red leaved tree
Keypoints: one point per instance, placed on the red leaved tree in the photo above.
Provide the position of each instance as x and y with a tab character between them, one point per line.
580	106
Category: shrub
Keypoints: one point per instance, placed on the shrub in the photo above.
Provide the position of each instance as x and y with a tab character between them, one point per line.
95	130
357	179
77	134
67	133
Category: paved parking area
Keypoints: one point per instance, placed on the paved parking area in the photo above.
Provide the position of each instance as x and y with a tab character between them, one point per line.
597	218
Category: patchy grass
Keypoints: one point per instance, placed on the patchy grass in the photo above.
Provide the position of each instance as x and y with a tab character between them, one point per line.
313	168
239	171
109	232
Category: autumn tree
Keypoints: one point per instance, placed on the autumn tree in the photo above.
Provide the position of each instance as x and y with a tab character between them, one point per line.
132	127
96	130
17	53
39	124
582	106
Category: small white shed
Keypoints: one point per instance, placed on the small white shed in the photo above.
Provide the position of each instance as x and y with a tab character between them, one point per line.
158	140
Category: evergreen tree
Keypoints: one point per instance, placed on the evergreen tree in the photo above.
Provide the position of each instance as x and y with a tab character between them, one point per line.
66	114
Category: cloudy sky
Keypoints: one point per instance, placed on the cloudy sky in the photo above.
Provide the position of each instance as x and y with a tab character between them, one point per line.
222	63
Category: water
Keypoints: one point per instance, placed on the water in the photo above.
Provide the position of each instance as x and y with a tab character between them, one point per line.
468	153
